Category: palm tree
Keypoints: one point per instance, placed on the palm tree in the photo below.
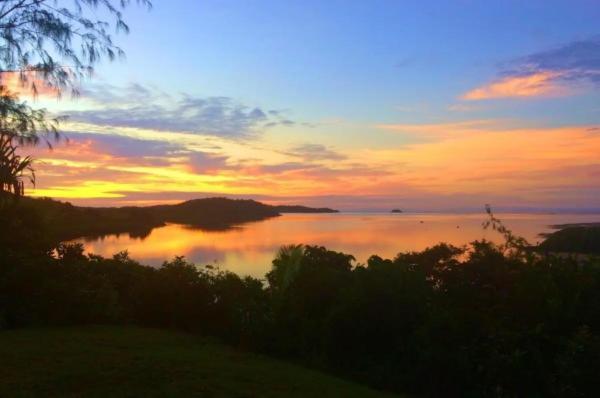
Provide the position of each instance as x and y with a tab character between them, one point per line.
20	125
14	169
55	45
285	266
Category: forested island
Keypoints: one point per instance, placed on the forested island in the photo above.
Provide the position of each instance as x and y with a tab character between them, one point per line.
303	209
581	238
64	221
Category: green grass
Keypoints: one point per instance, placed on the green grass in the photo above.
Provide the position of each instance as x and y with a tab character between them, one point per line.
136	362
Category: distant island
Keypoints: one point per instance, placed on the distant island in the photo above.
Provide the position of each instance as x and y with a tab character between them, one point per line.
396	211
581	224
304	209
66	221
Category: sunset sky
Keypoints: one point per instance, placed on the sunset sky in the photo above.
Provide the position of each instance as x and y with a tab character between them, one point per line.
348	104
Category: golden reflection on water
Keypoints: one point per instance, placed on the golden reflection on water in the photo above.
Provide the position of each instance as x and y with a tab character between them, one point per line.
249	249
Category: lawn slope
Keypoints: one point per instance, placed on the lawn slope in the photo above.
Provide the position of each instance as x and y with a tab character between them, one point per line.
136	362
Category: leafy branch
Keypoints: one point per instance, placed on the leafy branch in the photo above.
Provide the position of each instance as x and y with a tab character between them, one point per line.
513	245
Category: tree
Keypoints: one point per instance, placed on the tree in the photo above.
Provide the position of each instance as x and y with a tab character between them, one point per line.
43	42
285	267
43	39
13	169
19	125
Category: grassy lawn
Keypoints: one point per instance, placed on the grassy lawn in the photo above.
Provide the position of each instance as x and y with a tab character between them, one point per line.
136	362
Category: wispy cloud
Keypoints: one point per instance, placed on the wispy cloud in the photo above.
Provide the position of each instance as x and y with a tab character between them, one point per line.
24	84
555	72
139	106
575	61
445	130
314	152
468	162
538	84
463	107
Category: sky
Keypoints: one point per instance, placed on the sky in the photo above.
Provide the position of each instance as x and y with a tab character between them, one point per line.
356	105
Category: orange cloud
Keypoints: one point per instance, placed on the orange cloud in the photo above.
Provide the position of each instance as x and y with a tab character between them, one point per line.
474	162
27	84
523	161
539	84
90	169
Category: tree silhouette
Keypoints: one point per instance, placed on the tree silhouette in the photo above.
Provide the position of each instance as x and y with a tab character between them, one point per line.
13	169
42	39
46	43
285	266
20	125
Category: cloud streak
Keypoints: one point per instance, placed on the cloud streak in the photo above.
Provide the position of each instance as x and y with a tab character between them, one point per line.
439	131
539	84
315	152
575	61
471	162
138	106
551	73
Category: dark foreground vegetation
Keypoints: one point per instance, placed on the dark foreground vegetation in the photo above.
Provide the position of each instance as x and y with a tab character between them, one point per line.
64	221
136	362
486	320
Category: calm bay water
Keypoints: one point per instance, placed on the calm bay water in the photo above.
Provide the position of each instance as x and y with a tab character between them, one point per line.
249	249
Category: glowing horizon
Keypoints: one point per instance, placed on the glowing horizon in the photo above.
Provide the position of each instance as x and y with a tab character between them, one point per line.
425	117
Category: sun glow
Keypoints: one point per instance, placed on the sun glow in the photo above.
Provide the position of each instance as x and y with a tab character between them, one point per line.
495	157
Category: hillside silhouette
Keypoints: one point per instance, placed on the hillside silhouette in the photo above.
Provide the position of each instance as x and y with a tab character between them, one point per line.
64	221
576	238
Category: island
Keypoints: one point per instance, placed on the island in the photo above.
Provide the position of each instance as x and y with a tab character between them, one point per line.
396	211
304	209
65	221
582	238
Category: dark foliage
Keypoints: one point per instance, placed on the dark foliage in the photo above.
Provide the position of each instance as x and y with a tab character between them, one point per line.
447	321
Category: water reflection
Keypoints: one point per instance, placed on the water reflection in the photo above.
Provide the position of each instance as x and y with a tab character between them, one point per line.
249	249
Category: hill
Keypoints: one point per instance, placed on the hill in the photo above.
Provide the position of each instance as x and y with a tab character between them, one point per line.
64	221
136	362
575	238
